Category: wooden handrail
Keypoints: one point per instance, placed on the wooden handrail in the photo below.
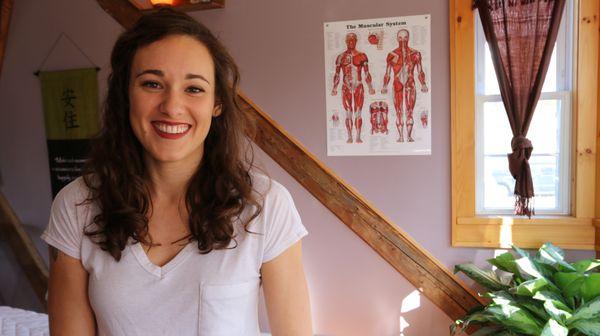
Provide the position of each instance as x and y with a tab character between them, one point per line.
24	250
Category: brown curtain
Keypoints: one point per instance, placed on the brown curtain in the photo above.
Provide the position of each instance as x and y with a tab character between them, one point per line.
521	35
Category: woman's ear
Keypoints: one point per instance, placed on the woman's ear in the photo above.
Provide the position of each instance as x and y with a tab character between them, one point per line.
217	110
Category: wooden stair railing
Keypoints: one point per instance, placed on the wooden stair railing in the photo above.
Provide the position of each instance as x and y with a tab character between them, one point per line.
24	250
423	270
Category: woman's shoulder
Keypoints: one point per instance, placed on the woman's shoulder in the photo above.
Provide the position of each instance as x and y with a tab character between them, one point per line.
73	194
266	188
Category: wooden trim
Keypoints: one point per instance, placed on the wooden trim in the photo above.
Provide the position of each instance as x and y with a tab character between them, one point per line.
419	267
24	250
576	231
5	14
579	237
586	107
597	221
597	247
462	102
547	222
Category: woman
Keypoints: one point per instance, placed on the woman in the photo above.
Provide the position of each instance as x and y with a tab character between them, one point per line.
169	232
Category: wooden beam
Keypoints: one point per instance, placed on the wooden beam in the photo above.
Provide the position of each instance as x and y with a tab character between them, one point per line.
24	250
5	13
423	270
123	11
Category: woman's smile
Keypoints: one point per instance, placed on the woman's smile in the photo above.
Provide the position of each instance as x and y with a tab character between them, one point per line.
171	130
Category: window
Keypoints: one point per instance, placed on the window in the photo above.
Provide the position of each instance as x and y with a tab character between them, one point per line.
550	132
565	159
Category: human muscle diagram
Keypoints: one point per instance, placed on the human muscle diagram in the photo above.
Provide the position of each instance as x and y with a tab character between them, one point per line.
403	62
352	63
379	117
381	65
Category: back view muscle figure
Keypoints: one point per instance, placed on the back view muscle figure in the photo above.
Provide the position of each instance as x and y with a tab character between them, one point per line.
404	60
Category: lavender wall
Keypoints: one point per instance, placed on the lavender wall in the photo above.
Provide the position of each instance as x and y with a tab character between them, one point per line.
279	48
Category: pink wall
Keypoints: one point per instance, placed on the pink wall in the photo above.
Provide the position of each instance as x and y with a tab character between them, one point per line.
279	48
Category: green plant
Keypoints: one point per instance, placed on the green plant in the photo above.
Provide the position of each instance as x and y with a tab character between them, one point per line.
544	296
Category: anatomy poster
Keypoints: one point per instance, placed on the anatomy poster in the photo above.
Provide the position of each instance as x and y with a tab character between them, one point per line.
378	83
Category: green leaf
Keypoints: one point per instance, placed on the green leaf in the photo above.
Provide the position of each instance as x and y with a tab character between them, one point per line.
588	311
546	270
476	317
500	297
485	331
552	255
590	287
506	262
487	279
520	251
556	313
569	283
516	319
557	300
553	328
535	308
528	268
588	327
530	287
506	333
583	266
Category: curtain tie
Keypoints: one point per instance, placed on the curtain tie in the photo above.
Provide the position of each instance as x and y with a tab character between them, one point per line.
521	152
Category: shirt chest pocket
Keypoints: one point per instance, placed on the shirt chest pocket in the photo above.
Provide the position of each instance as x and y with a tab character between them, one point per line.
230	309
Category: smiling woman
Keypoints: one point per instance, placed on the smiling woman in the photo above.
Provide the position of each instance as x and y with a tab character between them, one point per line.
171	231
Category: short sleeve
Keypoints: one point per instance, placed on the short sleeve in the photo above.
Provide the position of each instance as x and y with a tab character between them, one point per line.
64	230
283	226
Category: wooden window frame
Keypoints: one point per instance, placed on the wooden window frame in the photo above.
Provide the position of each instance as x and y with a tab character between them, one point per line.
576	231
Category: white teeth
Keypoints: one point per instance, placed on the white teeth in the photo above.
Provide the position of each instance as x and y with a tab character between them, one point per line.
172	129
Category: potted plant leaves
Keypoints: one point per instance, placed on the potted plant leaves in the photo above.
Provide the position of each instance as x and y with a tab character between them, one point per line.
539	295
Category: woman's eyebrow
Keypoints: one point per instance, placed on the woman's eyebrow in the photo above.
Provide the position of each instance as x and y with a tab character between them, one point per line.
191	76
161	74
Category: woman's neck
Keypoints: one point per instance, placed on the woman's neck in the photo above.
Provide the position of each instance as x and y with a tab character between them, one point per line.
168	181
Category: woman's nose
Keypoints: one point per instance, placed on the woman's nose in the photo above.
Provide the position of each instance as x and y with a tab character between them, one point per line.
172	103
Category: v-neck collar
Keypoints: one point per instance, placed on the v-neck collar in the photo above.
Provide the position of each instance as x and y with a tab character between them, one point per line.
160	271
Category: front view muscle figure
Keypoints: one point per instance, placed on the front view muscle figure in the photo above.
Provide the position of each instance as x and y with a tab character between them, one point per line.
403	60
352	62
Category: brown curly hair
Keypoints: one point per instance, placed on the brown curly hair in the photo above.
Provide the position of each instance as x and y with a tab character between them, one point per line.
115	173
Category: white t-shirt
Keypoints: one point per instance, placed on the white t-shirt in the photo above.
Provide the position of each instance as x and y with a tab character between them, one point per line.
214	294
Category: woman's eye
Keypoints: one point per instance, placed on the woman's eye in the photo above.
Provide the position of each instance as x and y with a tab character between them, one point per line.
194	89
151	84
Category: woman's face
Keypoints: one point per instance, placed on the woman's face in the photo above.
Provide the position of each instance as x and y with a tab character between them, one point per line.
172	98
